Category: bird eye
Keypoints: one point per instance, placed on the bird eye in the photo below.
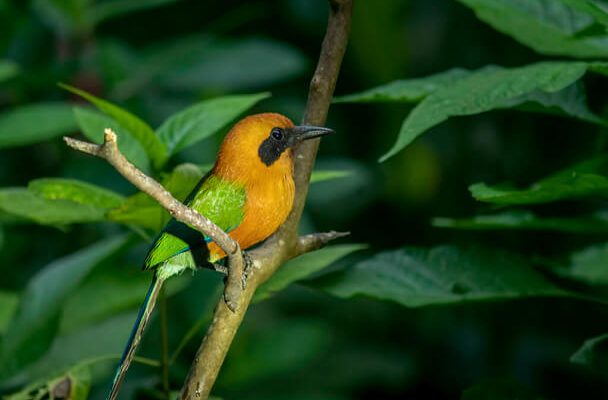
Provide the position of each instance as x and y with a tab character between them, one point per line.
277	133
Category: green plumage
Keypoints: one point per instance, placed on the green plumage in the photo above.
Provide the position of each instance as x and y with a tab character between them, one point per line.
179	246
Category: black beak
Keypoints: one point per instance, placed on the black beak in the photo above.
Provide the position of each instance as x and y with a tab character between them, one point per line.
305	132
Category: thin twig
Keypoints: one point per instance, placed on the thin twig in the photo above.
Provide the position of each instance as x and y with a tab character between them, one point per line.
109	151
284	244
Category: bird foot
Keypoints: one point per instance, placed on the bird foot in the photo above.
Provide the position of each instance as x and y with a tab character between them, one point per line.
232	288
247	268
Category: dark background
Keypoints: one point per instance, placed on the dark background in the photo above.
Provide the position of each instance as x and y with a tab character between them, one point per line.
303	343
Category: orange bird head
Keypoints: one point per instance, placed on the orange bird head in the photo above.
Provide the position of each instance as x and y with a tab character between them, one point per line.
260	146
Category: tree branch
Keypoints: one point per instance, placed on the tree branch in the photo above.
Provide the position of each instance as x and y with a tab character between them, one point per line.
109	151
284	244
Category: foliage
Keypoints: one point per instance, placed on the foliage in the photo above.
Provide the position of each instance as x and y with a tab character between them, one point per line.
505	281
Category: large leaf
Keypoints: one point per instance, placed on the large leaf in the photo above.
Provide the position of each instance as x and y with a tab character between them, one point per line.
130	124
26	204
302	267
93	123
548	190
589	265
487	89
33	328
406	90
220	66
580	180
416	277
76	191
8	306
550	26
140	209
203	119
525	220
35	123
8	69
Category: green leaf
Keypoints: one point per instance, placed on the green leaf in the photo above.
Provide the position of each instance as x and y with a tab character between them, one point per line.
76	191
548	27
204	119
415	277
407	90
584	179
34	326
35	123
140	209
302	267
26	204
593	354
73	384
8	306
525	220
328	175
130	124
558	187
219	66
589	265
8	69
499	389
93	124
487	89
99	12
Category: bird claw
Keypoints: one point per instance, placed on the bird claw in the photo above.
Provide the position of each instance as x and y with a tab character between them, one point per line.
247	268
232	292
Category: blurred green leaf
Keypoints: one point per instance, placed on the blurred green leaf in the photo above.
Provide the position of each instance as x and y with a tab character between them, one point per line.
406	90
26	204
35	123
416	277
109	336
65	16
544	191
203	120
254	362
76	191
499	389
548	27
140	209
220	66
589	265
33	328
141	131
93	124
302	267
328	175
8	306
71	385
8	69
583	179
102	11
525	220
487	89
593	354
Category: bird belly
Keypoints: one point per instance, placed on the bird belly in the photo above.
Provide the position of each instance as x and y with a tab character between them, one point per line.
267	207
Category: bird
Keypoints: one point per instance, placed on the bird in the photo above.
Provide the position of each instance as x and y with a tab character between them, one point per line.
248	193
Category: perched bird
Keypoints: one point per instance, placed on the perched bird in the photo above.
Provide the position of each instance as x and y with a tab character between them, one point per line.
248	193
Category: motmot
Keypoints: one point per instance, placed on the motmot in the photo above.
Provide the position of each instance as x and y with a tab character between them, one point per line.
248	193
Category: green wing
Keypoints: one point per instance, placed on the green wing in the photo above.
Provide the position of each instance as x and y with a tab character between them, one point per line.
221	201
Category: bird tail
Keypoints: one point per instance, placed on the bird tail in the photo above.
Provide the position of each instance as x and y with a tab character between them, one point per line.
143	317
